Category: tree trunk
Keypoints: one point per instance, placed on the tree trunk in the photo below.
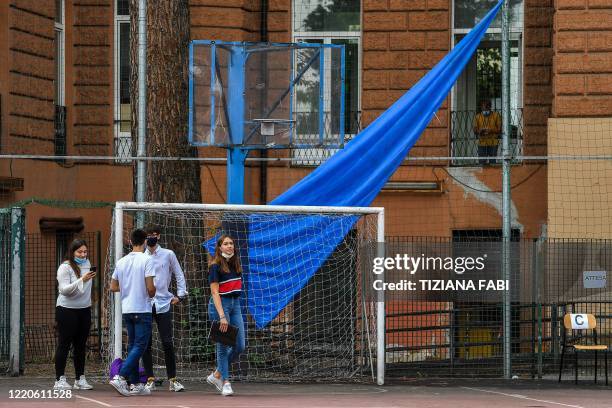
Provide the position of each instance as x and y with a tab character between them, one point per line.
168	36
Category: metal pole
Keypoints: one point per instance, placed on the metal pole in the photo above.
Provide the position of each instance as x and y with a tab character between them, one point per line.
17	285
141	167
118	237
380	306
507	231
236	155
539	272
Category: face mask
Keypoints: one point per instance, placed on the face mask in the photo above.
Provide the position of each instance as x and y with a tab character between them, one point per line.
80	261
227	256
486	113
152	241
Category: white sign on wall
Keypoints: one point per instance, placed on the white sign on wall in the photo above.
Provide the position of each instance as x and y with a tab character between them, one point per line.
594	279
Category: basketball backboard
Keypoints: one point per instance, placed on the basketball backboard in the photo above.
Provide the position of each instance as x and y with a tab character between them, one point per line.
266	95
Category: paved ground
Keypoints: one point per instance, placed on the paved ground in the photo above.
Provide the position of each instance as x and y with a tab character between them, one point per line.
417	394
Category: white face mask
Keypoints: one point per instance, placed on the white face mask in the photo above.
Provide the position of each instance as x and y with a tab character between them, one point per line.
486	112
227	256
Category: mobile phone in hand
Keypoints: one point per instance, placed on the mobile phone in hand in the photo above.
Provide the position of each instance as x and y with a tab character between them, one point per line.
93	269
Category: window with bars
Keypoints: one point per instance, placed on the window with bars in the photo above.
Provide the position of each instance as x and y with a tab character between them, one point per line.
331	22
481	80
123	120
60	144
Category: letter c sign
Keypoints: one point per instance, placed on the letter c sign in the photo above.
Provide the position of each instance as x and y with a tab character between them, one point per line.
579	321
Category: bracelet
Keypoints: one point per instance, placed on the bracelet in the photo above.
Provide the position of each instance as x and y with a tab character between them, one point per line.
221	317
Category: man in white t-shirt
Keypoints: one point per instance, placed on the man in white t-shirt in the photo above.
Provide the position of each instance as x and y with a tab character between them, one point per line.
133	279
166	265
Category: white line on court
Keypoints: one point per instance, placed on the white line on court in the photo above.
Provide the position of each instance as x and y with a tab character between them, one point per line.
523	397
104	404
285	392
149	405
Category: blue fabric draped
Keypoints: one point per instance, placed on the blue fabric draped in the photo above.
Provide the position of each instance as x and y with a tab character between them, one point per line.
285	251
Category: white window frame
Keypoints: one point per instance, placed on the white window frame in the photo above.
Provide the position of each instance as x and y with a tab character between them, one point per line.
515	35
316	156
59	29
120	136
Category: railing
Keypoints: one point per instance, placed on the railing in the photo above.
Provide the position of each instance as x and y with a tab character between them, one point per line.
123	148
307	132
464	143
60	130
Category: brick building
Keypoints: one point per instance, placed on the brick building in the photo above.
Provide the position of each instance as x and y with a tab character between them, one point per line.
64	90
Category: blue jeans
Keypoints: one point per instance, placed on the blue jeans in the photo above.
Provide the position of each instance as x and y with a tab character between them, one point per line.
139	331
226	354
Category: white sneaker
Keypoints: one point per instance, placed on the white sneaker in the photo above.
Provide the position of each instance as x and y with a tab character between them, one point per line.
82	384
175	385
150	385
217	382
227	390
62	384
139	389
120	385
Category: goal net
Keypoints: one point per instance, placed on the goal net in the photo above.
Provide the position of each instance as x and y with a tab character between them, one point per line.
306	304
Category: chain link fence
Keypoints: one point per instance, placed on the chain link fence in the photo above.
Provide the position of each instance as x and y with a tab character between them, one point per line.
45	252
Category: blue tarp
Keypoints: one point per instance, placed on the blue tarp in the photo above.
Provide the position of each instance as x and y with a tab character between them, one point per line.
276	270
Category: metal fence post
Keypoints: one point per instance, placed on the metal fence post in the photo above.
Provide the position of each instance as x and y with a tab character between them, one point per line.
539	272
16	347
100	283
507	227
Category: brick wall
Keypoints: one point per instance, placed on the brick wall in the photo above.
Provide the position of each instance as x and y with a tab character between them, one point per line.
228	20
402	40
582	68
31	71
89	76
537	76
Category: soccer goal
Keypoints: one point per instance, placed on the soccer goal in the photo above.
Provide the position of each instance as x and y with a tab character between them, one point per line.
308	306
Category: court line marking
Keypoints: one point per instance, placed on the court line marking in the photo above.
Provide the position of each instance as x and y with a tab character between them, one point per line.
131	405
523	397
104	404
297	392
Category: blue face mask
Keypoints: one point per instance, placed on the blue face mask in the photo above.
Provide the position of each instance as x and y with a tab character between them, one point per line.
486	112
80	261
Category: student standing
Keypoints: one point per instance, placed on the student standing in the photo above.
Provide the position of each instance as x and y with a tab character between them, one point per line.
133	278
73	314
166	265
225	278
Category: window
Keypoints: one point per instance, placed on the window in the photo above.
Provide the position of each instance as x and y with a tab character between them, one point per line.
123	120
481	80
60	56
331	22
326	15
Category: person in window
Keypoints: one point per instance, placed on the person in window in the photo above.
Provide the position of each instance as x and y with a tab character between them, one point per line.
225	278
73	314
487	128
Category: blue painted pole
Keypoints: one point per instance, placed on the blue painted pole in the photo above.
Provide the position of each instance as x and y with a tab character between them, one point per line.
236	155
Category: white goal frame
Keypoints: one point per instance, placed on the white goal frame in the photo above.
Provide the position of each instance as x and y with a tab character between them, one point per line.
122	206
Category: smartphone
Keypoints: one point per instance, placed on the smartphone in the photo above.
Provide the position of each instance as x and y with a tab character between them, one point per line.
93	269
